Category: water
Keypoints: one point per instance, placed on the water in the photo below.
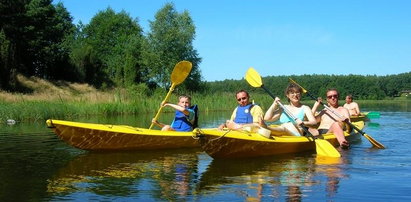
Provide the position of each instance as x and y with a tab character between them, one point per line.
36	166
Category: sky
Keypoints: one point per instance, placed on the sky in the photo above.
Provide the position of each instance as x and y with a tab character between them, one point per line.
287	37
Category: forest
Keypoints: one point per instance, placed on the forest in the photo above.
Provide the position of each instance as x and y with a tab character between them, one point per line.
39	39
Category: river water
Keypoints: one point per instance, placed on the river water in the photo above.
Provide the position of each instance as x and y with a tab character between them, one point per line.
35	165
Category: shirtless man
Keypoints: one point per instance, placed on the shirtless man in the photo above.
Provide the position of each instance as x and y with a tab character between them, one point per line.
329	122
352	107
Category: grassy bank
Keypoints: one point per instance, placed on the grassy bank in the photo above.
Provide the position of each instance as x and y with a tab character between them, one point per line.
62	100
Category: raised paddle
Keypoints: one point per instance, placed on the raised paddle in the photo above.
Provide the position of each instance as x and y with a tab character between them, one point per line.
179	74
374	142
323	147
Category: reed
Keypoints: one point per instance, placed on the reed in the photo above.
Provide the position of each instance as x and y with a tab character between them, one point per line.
68	100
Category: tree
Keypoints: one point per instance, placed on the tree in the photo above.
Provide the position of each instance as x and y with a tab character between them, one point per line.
168	42
35	32
107	50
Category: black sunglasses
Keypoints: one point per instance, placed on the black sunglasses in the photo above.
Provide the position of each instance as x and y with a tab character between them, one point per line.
332	96
243	98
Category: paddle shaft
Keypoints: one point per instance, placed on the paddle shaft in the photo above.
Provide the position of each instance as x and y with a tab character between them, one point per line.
165	100
287	112
328	108
337	114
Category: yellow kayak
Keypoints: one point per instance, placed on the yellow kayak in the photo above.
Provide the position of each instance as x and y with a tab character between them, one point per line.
361	117
241	143
90	136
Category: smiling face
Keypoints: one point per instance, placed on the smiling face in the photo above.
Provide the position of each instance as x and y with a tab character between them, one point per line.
294	95
242	98
332	98
184	101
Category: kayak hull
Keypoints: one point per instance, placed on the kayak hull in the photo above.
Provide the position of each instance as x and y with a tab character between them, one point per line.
89	136
240	144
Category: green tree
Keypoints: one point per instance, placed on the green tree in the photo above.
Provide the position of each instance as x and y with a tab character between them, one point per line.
107	50
168	42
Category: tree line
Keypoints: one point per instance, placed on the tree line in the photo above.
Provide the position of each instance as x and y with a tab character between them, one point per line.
38	38
361	87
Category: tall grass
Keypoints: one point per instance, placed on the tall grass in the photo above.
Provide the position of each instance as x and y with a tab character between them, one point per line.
59	109
67	100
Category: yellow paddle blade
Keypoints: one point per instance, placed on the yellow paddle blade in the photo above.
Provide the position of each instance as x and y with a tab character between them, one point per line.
253	78
180	72
324	148
374	142
292	81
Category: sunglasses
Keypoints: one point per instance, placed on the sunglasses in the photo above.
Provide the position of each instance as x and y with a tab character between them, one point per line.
243	98
332	96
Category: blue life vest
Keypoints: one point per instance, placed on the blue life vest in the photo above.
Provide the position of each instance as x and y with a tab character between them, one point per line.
181	121
243	114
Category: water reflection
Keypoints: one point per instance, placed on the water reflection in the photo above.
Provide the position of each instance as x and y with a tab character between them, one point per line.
164	174
289	177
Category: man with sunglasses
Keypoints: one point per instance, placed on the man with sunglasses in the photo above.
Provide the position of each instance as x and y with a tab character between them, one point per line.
329	122
245	113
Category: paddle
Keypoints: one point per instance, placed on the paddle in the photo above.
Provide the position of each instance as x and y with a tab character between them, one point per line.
179	74
323	147
372	115
369	138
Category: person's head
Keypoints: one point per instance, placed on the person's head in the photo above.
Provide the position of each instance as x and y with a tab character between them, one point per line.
332	97
184	101
243	98
348	99
293	91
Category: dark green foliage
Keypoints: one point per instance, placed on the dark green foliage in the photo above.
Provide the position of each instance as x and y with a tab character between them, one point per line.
361	87
168	42
107	51
33	39
38	38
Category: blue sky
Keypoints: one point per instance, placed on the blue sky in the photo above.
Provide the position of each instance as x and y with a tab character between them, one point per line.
366	37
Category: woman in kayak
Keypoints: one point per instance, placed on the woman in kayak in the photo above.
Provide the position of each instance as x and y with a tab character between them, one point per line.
185	118
302	113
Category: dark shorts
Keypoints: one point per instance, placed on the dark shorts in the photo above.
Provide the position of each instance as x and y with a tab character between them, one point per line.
322	131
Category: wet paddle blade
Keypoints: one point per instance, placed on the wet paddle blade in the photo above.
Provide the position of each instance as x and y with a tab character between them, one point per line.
373	115
374	142
324	148
253	78
180	72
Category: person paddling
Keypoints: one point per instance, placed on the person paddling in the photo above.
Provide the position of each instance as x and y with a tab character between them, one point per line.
186	116
329	122
303	113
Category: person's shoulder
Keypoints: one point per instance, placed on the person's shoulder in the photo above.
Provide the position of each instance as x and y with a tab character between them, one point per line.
306	107
341	108
256	107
